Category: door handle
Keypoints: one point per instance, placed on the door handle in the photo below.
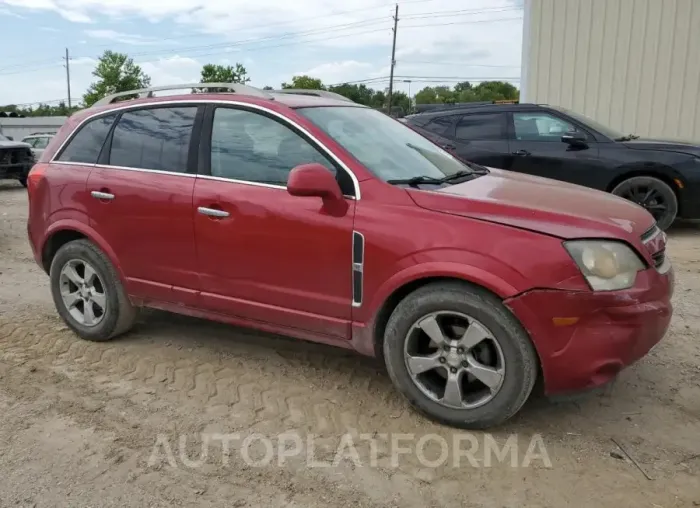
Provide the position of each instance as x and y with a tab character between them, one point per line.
212	212
102	195
521	152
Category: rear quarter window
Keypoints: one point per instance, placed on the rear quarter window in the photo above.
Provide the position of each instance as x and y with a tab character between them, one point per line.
86	144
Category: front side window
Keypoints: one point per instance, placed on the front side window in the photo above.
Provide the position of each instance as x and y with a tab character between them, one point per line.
153	138
252	147
540	127
387	148
482	127
87	143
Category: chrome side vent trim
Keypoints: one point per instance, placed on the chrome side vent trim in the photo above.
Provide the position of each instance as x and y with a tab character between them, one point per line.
358	264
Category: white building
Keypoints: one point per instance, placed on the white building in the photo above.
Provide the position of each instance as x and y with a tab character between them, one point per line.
17	128
631	64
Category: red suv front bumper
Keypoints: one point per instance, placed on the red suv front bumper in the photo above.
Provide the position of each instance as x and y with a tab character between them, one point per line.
584	339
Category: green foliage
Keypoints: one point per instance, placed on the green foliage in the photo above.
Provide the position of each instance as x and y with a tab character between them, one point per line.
212	73
41	110
116	72
466	92
305	82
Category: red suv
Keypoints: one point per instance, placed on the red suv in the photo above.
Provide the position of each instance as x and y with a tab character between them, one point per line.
303	213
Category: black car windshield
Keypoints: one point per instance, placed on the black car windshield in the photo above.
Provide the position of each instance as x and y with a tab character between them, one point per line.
389	149
589	122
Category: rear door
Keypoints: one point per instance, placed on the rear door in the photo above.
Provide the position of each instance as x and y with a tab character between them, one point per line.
483	138
538	149
141	201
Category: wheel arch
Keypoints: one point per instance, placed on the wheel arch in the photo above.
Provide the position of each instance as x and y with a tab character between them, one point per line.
62	232
659	171
406	285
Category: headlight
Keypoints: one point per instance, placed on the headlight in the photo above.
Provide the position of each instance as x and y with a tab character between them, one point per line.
606	265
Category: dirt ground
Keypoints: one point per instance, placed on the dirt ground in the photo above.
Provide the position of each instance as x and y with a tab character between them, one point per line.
85	424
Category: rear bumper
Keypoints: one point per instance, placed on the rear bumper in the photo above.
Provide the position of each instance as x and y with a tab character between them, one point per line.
612	330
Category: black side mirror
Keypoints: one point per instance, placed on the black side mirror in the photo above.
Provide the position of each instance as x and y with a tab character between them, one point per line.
574	139
10	138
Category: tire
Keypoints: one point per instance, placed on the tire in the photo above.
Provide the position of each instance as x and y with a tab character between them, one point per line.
23	181
520	359
118	315
638	185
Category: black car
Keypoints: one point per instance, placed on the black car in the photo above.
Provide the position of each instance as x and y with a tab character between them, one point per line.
16	159
552	142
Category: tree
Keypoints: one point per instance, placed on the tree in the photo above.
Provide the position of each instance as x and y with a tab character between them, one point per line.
212	73
116	72
305	82
466	92
268	87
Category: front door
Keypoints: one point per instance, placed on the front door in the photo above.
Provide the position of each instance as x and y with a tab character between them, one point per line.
265	255
537	149
141	202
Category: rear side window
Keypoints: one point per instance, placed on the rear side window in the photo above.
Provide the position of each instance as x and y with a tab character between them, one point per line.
440	126
87	143
154	138
41	143
482	127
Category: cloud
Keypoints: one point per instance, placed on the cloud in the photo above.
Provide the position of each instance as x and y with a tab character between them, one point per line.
111	35
9	13
436	39
337	72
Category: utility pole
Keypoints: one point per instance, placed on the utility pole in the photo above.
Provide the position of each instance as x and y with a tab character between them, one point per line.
393	57
67	58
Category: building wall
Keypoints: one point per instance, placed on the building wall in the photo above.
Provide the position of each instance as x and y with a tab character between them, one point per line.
631	64
17	128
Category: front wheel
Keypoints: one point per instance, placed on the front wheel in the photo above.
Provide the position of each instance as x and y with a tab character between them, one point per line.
654	195
459	356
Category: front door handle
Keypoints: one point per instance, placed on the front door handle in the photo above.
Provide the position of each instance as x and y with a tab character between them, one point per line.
212	212
102	195
521	152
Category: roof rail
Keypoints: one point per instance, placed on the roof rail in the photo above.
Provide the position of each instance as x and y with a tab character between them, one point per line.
314	93
148	92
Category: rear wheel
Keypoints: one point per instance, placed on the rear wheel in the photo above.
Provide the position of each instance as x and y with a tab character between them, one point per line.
654	195
23	181
88	294
459	356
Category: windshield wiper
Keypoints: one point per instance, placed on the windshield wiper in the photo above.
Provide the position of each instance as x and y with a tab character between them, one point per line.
417	180
629	137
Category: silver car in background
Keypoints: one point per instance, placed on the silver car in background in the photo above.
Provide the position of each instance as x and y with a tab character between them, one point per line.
38	141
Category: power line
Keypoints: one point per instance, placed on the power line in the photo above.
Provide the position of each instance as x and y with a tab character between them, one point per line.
463	64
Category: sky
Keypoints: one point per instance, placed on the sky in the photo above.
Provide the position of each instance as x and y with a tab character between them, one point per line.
438	41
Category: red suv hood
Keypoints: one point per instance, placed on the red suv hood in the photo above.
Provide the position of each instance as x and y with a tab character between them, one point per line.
539	204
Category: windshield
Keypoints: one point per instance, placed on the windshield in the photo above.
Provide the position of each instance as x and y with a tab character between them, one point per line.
589	122
384	146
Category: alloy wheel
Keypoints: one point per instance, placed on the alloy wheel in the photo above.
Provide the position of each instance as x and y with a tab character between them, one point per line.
454	360
83	292
648	197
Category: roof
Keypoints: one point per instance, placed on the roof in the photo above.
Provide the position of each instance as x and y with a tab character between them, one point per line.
481	108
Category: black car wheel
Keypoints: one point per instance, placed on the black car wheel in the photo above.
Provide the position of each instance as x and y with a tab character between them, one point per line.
653	195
